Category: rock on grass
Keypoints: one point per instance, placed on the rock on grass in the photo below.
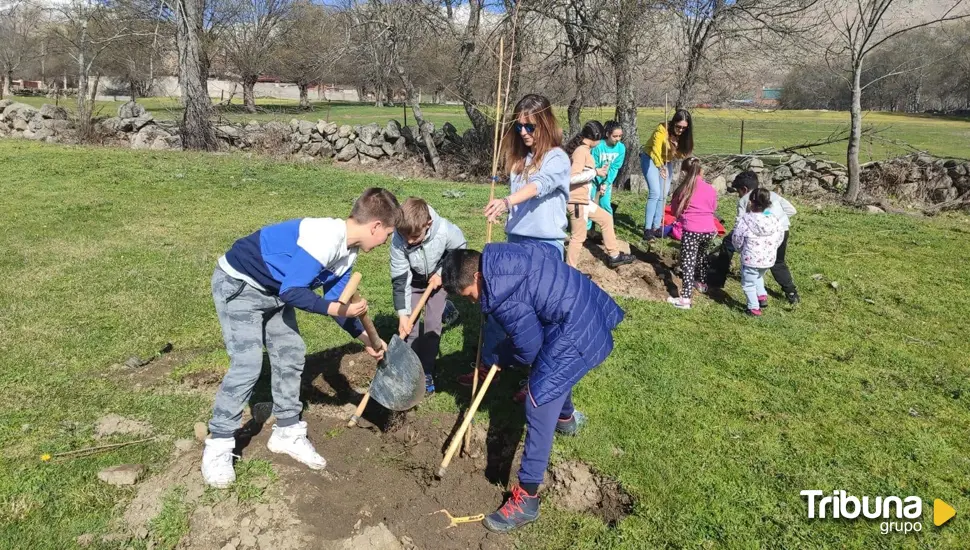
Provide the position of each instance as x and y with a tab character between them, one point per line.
124	474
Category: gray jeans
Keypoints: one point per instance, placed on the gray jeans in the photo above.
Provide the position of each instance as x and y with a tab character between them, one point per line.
425	338
251	319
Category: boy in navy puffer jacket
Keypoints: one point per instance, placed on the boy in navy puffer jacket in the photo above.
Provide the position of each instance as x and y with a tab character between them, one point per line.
559	322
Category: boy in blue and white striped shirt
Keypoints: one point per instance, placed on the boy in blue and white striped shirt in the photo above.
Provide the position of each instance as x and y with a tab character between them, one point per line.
257	288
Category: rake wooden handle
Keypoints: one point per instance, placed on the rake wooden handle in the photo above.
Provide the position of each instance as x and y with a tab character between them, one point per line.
456	441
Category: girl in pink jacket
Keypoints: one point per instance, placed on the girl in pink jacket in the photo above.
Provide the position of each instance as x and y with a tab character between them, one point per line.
693	204
757	235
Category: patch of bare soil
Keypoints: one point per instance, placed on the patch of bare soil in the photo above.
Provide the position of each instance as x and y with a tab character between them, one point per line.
156	371
576	487
114	424
379	489
649	277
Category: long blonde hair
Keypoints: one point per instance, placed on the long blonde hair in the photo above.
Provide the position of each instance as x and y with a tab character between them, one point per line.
690	171
547	134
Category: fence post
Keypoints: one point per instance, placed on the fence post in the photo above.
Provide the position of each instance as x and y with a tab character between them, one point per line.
742	137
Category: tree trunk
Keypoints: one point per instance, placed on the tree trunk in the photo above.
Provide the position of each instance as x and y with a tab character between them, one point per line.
630	176
83	111
6	87
466	70
304	96
249	93
197	131
94	90
855	134
575	109
686	88
423	128
379	96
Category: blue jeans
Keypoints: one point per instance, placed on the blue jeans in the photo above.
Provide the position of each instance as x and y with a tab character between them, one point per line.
753	284
656	191
541	430
493	331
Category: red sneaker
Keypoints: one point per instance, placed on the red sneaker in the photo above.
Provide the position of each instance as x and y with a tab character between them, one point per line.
523	393
466	379
520	509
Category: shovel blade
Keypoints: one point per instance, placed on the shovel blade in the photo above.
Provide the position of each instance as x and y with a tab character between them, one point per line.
399	382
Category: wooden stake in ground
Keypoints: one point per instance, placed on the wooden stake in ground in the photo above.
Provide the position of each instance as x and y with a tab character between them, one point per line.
463	429
488	224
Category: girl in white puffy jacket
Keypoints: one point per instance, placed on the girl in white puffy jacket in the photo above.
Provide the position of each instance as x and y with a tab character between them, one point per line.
757	235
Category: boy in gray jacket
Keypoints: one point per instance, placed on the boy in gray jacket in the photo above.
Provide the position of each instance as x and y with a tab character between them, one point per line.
417	249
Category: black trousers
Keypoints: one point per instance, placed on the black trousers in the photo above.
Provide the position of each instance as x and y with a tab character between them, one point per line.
719	264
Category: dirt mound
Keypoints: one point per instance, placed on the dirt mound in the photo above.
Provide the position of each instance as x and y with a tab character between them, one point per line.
114	424
647	278
378	490
377	537
577	488
233	525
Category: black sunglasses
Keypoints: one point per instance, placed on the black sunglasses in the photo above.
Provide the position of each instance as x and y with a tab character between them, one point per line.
529	128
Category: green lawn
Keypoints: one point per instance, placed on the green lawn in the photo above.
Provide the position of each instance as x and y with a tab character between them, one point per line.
718	130
722	420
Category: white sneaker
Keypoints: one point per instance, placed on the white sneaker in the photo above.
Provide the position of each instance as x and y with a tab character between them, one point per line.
292	440
217	470
679	303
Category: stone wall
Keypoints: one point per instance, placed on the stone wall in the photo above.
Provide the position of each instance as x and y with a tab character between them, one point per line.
911	179
138	129
916	179
49	123
790	174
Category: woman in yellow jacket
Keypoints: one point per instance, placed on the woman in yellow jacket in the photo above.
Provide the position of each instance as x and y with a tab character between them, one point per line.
671	141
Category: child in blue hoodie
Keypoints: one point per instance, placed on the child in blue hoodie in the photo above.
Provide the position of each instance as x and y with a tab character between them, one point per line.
557	321
257	287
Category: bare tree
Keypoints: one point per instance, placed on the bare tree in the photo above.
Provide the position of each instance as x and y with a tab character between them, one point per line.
468	62
400	29
581	22
20	40
861	27
197	130
137	60
251	39
704	25
315	41
85	29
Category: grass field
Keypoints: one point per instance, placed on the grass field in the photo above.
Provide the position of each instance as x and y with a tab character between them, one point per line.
718	130
722	419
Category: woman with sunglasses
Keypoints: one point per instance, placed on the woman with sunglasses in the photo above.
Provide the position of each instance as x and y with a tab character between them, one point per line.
670	141
538	171
538	174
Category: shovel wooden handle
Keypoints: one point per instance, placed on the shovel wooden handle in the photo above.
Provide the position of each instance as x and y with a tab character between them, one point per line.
456	441
374	338
350	289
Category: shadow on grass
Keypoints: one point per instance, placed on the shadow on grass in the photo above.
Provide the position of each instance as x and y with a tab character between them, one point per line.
506	425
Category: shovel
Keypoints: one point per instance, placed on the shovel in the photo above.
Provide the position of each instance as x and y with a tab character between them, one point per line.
398	384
